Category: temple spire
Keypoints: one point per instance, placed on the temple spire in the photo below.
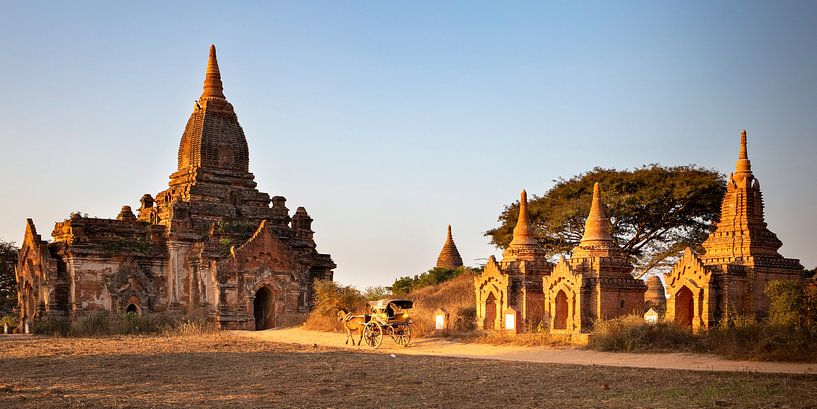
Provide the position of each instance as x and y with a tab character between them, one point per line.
597	226
213	87
449	257
523	232
743	164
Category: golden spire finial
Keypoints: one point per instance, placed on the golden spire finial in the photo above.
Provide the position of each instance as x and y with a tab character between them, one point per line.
743	164
213	87
597	226
449	237
523	233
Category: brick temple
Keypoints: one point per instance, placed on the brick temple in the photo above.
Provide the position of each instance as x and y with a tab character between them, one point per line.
740	257
596	283
516	281
211	242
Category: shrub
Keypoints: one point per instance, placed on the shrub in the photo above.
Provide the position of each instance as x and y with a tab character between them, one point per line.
633	334
10	321
785	302
331	296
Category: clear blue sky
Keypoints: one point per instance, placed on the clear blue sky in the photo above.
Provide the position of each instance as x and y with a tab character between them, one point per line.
389	121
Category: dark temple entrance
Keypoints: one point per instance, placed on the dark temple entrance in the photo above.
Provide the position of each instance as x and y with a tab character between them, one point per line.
560	315
263	309
684	307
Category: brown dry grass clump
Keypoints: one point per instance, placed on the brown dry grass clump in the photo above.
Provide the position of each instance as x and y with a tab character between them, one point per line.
534	339
456	296
106	323
632	334
741	338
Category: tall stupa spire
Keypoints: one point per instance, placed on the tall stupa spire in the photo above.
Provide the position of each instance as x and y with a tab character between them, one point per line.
597	226
523	232
213	88
743	164
449	256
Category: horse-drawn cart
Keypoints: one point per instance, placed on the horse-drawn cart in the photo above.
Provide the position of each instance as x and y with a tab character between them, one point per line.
391	316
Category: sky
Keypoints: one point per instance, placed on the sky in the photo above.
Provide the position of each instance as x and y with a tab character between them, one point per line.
390	120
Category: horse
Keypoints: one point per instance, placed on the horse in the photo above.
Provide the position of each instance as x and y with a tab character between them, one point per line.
352	323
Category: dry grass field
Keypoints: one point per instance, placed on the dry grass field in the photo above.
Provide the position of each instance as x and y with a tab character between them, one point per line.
228	370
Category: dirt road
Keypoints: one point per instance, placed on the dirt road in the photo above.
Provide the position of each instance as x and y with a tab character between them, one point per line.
569	356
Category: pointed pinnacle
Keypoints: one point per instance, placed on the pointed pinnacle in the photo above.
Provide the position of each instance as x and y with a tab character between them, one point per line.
743	164
213	87
597	226
522	233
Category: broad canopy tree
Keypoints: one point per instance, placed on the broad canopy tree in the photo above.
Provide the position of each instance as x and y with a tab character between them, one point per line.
655	211
8	280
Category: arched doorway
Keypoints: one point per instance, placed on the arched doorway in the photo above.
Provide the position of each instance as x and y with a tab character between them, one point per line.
490	312
684	307
560	315
132	309
263	308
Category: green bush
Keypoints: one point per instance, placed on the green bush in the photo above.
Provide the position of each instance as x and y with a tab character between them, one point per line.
405	285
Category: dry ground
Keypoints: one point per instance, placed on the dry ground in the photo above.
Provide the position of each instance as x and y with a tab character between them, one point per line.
231	370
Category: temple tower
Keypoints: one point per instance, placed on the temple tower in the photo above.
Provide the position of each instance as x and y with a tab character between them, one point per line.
449	257
739	258
210	242
516	281
596	282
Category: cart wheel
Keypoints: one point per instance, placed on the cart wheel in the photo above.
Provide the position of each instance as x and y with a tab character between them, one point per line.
373	335
401	334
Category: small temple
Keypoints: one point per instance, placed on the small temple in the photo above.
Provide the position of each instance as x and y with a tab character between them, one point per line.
595	283
449	257
210	243
516	281
655	295
740	257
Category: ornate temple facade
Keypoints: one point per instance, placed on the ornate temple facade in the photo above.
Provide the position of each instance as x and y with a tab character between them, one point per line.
516	281
449	257
739	258
211	242
595	283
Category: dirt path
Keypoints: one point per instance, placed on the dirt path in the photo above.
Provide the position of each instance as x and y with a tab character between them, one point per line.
569	356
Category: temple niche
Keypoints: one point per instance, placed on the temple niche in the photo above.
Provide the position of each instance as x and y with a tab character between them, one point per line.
449	257
739	258
595	283
516	281
211	242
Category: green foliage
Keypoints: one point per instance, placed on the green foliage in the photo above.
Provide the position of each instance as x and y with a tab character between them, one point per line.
8	280
237	227
786	300
224	245
9	320
140	245
655	211
376	293
405	285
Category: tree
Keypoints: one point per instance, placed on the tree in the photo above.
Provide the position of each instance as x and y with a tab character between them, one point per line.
376	293
655	211
436	275
8	280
